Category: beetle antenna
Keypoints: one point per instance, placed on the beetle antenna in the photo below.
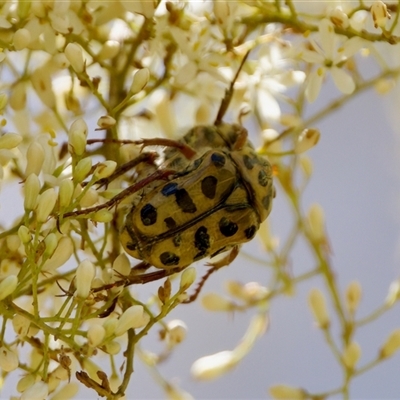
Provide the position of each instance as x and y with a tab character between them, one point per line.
229	93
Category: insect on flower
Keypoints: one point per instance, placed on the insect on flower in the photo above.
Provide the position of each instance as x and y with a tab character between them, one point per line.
209	195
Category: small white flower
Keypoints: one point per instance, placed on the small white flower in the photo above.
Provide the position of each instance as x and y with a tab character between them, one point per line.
134	317
84	276
391	345
176	333
328	55
215	365
38	391
380	14
273	75
8	359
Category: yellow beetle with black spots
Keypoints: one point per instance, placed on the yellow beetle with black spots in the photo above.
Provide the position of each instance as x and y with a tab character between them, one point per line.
216	202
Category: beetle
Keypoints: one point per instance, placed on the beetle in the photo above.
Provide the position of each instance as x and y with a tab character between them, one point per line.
209	195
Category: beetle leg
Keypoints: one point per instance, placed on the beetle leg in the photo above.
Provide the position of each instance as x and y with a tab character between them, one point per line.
157	175
225	260
148	158
139	276
186	150
228	94
241	140
214	267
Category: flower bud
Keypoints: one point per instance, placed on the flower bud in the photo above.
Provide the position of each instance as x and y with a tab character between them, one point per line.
283	392
7	286
175	393
35	158
60	373
21	39
109	325
394	293
351	355
46	202
77	135
82	169
8	360
121	266
215	302
187	278
380	14
385	85
353	296
103	216
68	391
96	334
18	96
176	332
109	50
306	140
13	242
106	122
133	317
213	366
140	79
51	244
105	169
339	18
31	189
43	85
25	382
316	220
316	301
24	234
65	193
83	280
112	348
38	391
74	54
60	61
61	255
10	140
391	345
20	325
89	198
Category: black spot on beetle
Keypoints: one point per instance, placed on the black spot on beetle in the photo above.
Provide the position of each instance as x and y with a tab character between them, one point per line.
202	242
168	258
170	222
248	161
266	202
263	178
227	227
250	231
218	160
184	201
169	188
209	186
148	214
